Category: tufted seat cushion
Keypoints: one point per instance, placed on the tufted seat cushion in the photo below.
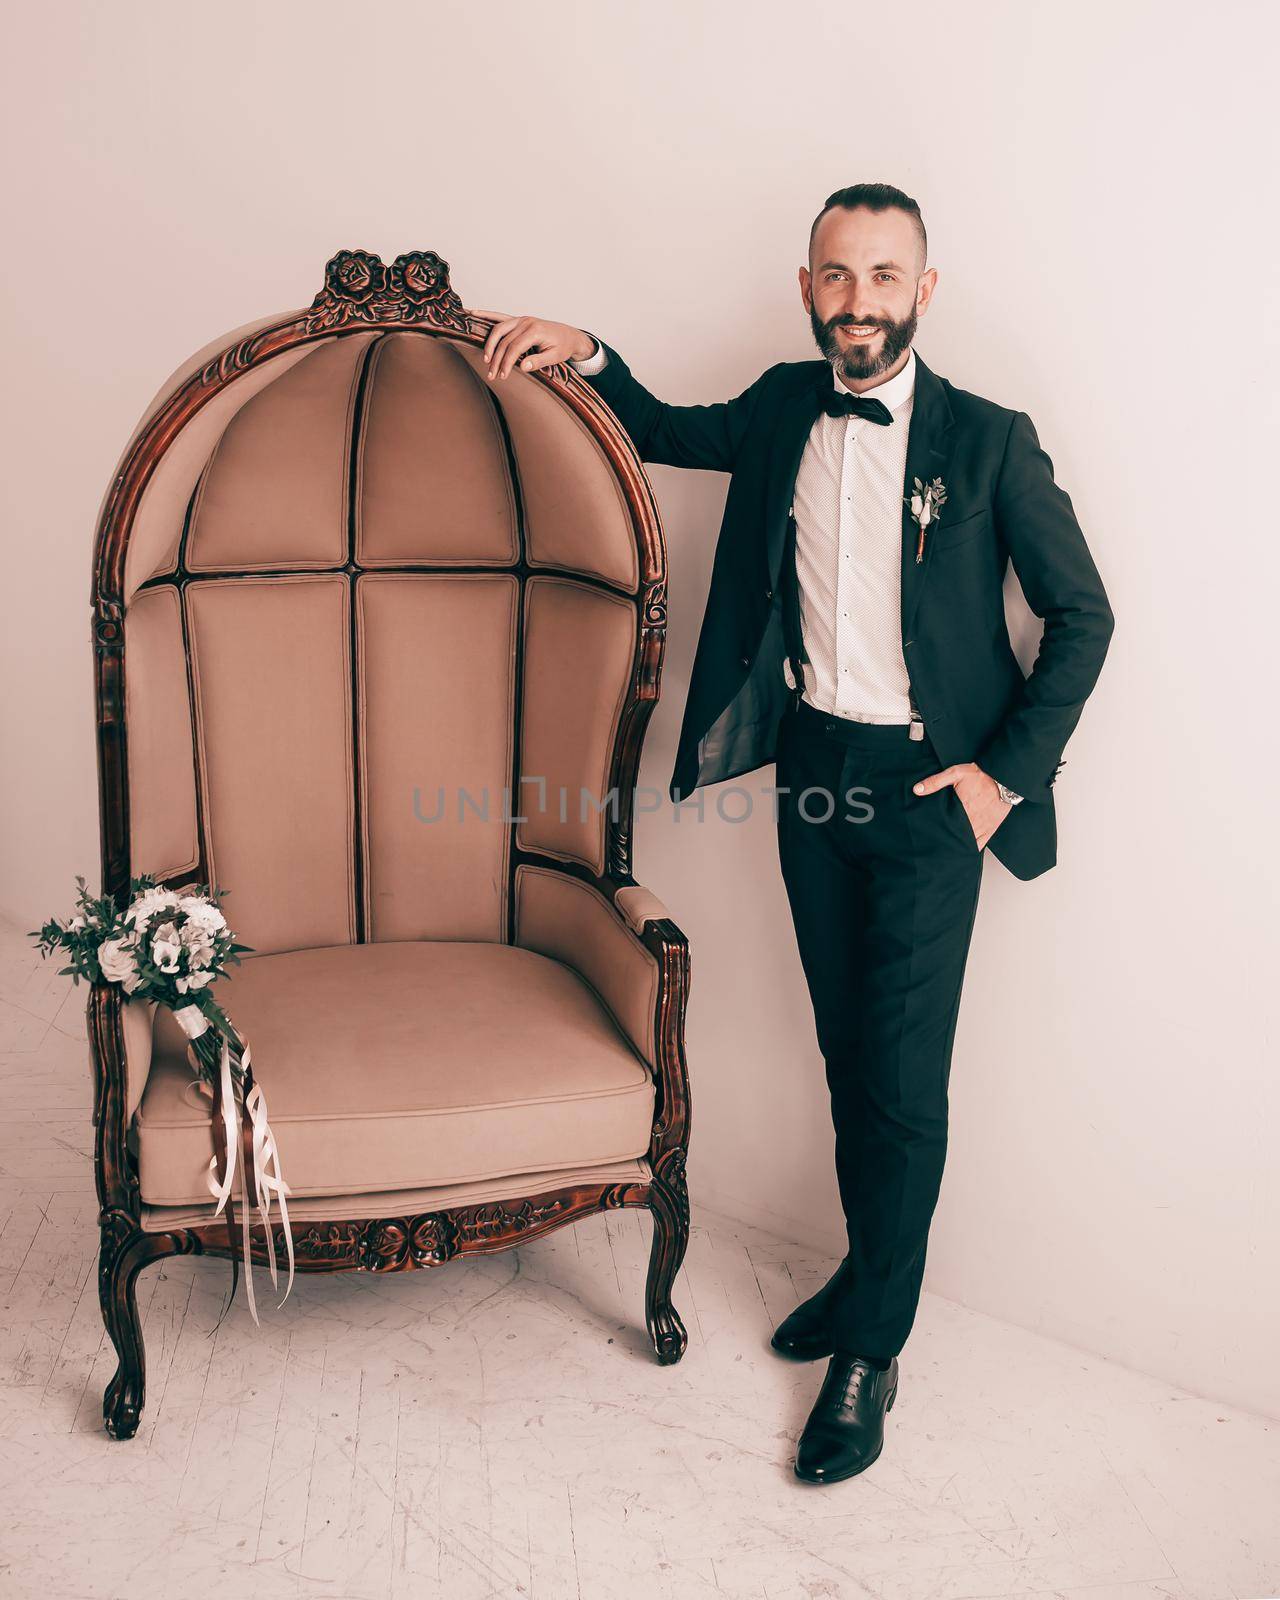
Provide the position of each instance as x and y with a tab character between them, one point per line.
403	1065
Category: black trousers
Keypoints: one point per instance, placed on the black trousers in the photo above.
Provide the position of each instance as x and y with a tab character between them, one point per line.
883	886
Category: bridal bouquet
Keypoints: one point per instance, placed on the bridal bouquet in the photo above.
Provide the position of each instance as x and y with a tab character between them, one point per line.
169	946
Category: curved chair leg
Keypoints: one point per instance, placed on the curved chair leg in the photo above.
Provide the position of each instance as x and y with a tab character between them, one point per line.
124	1251
669	1203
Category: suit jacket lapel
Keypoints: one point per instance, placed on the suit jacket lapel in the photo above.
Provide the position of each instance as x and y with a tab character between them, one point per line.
930	441
797	414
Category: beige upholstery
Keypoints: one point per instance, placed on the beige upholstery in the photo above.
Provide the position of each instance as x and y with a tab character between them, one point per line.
389	1066
381	623
426	757
571	717
272	682
136	1021
274	493
158	524
300	753
161	746
574	512
413	1202
568	920
640	905
441	491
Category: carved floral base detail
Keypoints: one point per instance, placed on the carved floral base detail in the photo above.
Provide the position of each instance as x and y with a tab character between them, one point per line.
390	1244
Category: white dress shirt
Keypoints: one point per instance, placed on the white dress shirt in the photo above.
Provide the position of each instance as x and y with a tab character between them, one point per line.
597	361
848	506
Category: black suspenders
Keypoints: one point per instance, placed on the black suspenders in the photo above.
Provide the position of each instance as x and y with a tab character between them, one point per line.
792	632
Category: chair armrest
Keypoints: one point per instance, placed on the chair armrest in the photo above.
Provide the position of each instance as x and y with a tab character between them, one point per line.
561	916
137	1021
624	945
120	1041
639	906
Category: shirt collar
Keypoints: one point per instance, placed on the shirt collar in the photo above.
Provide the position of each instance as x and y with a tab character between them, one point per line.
893	391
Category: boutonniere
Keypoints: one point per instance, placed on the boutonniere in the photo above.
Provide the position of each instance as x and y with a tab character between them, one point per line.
925	504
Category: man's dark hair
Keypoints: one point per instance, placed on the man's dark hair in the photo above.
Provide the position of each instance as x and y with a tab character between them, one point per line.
875	197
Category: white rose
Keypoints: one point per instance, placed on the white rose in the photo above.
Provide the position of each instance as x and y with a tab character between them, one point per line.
204	914
194	980
926	514
917	506
75	925
148	903
119	964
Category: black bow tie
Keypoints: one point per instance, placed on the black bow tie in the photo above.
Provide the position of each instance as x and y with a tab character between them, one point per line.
855	405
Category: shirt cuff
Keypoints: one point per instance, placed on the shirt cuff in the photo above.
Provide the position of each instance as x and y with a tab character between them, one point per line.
588	366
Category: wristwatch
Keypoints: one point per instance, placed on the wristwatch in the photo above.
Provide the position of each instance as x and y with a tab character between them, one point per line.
1007	795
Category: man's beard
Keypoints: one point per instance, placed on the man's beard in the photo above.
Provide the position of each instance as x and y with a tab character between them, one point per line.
855	361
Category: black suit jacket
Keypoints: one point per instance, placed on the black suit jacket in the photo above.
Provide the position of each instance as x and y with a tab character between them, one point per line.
1002	505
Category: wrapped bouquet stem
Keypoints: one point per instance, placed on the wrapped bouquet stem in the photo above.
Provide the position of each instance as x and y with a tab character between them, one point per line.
243	1143
168	946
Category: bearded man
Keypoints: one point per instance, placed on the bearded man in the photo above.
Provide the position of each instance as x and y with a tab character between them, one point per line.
855	635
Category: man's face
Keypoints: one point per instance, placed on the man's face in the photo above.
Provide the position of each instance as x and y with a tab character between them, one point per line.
865	290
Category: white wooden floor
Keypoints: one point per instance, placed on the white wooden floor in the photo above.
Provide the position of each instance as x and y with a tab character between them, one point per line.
499	1428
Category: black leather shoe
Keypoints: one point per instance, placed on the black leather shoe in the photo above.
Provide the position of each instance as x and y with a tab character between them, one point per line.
805	1335
845	1430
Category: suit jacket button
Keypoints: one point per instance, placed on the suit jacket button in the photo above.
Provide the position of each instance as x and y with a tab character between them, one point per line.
768	594
746	661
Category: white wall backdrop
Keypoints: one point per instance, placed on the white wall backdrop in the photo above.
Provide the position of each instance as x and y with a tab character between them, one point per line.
1096	183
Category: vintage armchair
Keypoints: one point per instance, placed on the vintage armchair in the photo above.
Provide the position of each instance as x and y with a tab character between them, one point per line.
376	642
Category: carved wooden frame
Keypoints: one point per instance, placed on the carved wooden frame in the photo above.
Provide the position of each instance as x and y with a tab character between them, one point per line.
360	293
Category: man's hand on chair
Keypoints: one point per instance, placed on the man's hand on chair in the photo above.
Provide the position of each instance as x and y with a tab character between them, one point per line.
531	343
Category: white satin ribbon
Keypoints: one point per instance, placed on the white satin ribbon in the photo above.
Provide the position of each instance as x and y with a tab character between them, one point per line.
267	1176
191	1020
268	1179
221	1191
